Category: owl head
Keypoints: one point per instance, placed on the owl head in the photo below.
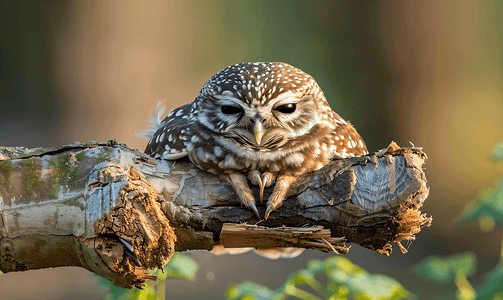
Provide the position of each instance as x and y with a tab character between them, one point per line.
261	105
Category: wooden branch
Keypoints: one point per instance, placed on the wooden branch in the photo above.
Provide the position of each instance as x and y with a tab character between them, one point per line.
79	204
315	237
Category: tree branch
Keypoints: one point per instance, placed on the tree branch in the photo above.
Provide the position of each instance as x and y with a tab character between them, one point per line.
80	204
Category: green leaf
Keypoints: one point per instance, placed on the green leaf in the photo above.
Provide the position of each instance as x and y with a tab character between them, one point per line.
179	267
344	278
497	153
114	292
445	269
250	290
362	284
490	206
493	285
147	293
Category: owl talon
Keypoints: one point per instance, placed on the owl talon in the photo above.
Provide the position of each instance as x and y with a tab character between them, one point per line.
266	181
261	193
262	180
280	192
254	208
255	178
240	185
268	211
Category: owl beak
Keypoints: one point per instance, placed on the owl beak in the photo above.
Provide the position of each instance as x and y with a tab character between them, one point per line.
258	131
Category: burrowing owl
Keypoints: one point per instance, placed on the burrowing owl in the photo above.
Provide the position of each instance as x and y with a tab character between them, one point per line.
268	122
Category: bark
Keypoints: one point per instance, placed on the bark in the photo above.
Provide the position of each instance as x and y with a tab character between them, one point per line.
71	205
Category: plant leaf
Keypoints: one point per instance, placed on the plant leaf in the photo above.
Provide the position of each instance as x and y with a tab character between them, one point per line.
445	269
497	153
250	290
180	267
344	278
491	205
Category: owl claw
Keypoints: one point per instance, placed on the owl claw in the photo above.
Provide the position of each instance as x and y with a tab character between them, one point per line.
240	185
254	208
279	194
266	181
261	193
256	179
268	211
262	180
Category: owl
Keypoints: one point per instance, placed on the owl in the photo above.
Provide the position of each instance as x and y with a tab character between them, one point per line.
266	123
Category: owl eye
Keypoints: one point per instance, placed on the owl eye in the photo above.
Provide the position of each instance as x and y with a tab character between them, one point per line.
286	108
231	110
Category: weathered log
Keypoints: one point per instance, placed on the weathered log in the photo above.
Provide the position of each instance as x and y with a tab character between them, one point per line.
79	204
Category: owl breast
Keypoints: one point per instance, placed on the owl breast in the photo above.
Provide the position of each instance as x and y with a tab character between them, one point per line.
297	156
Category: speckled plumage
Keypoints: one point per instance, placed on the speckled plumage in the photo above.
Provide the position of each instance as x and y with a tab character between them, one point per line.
270	121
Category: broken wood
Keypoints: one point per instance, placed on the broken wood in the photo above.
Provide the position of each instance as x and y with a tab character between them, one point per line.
78	204
244	235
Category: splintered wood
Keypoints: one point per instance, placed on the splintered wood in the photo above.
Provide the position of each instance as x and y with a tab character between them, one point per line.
315	237
137	219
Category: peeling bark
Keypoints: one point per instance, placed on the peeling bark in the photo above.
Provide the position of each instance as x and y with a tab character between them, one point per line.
68	206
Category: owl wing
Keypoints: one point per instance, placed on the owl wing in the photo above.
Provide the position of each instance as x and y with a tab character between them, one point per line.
347	141
173	133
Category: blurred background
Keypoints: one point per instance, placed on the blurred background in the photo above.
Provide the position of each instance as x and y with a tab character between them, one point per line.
421	72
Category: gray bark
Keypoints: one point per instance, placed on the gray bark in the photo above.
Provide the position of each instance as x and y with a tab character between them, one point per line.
69	205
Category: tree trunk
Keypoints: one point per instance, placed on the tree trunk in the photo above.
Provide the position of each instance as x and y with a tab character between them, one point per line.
86	204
